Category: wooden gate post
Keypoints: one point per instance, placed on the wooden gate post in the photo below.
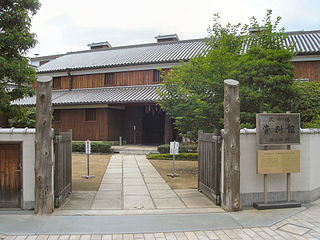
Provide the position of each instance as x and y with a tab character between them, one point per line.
231	183
43	145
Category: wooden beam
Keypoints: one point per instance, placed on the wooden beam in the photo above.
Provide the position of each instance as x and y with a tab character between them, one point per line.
231	187
43	145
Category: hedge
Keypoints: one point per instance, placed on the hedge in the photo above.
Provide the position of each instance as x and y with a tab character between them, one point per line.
96	147
191	148
180	156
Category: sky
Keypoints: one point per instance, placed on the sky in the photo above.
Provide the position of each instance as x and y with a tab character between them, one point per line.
69	25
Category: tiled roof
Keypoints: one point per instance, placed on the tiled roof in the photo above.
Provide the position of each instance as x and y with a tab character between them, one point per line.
131	55
106	95
306	43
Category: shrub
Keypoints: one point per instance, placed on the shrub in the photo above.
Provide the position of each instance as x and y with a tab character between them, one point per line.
180	156
307	103
96	147
190	148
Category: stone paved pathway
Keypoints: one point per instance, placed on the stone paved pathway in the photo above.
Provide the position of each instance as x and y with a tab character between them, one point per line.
132	183
304	225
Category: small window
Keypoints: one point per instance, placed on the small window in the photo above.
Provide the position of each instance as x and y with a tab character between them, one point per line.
56	115
56	83
90	114
156	76
109	79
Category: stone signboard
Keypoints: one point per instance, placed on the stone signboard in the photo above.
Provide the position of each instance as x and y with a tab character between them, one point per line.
278	161
278	128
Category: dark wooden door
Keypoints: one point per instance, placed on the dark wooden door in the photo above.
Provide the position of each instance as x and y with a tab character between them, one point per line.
10	175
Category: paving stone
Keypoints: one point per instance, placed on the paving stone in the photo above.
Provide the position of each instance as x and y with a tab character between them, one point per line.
154	180
163	203
188	193
138	202
133	181
114	170
111	180
163	193
151	175
132	175
290	228
192	202
135	190
158	186
113	175
110	186
106	204
116	195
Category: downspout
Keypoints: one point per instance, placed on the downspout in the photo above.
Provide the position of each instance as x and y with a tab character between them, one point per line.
70	79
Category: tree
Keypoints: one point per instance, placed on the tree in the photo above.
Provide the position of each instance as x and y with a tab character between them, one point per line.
265	72
193	94
16	76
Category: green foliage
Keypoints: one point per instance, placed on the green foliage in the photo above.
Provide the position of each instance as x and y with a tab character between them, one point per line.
25	117
307	103
190	148
180	156
193	94
265	72
16	76
96	147
194	91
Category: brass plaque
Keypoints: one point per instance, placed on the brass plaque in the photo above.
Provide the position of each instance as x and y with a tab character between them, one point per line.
278	161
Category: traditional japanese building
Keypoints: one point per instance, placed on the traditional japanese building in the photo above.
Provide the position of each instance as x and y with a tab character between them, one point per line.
107	92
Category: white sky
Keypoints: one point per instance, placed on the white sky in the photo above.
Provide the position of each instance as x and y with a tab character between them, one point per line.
69	25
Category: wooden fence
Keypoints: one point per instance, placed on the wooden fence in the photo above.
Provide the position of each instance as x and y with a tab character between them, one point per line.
63	166
209	169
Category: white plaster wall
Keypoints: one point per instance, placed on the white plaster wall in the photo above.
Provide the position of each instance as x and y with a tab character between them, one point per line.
27	137
307	180
314	160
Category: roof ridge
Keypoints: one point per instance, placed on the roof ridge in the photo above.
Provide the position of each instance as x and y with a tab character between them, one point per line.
102	88
302	31
137	45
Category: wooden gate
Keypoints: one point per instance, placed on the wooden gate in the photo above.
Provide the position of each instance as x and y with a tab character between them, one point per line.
63	166
10	175
209	165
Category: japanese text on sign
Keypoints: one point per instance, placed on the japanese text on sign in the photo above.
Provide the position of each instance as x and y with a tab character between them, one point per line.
88	147
174	148
278	128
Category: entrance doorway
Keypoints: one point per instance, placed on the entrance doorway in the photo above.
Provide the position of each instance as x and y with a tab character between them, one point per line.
153	123
10	175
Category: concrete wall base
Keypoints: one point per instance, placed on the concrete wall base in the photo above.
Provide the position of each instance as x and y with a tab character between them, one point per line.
28	205
247	199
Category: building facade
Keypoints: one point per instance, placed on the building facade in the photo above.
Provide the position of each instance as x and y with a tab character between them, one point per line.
107	92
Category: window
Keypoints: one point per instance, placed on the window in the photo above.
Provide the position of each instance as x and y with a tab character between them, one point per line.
90	114
56	83
109	79
156	76
56	115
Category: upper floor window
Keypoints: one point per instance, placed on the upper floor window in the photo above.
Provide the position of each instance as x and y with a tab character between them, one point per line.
156	76
109	79
90	114
56	83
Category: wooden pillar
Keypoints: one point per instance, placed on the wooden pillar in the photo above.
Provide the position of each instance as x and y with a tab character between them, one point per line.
43	145
168	130
231	186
